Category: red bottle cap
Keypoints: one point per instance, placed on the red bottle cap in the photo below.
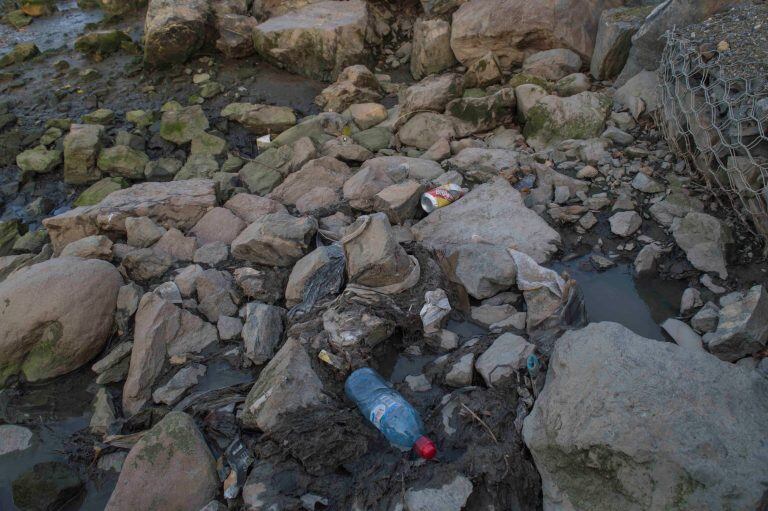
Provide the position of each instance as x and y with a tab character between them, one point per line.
425	448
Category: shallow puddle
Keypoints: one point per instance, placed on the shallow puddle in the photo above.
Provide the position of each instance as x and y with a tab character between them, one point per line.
54	412
615	295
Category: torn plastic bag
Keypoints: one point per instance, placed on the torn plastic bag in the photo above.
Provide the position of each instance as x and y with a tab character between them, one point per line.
435	311
532	276
571	314
327	280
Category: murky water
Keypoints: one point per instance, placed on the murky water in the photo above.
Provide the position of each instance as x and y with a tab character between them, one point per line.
50	32
54	412
615	295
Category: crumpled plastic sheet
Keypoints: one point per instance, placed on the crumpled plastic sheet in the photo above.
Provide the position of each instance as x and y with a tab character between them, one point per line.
326	281
436	308
532	276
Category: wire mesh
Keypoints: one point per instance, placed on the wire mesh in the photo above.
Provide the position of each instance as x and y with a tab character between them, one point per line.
714	114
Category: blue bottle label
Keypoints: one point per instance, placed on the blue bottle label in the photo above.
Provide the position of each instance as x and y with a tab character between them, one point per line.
380	410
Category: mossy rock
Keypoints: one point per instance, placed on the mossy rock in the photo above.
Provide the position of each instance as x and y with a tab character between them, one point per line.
22	52
123	161
374	139
100	44
43	360
102	116
17	19
59	122
9	233
50	136
32	241
38	159
198	166
259	178
205	143
473	93
36	8
100	189
181	125
554	119
140	118
88	4
523	78
210	89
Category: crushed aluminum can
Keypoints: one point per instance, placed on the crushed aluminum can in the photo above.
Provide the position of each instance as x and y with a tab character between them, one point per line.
441	196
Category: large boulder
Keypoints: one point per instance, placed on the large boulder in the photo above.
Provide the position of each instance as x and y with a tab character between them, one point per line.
55	316
484	270
554	119
178	204
157	322
319	40
431	93
742	327
648	42
552	65
374	257
431	51
514	29
614	40
287	384
277	239
425	128
355	84
323	172
169	469
484	113
174	31
235	35
260	119
704	239
252	207
161	330
379	173
262	331
631	423
479	165
493	212
645	86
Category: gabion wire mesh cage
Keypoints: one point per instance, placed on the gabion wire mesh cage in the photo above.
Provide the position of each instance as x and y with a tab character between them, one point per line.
714	113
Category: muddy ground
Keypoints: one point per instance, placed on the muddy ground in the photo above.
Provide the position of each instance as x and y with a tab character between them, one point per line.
53	85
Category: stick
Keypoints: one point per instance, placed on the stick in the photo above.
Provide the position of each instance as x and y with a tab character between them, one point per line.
478	419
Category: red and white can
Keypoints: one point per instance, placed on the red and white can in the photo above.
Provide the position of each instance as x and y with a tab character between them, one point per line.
441	196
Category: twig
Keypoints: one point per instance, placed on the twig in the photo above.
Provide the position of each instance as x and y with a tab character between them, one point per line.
481	421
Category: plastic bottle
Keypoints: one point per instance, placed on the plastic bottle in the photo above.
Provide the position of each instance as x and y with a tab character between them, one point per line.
533	365
389	412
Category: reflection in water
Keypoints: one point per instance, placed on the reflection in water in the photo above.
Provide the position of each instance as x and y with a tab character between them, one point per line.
54	411
614	295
